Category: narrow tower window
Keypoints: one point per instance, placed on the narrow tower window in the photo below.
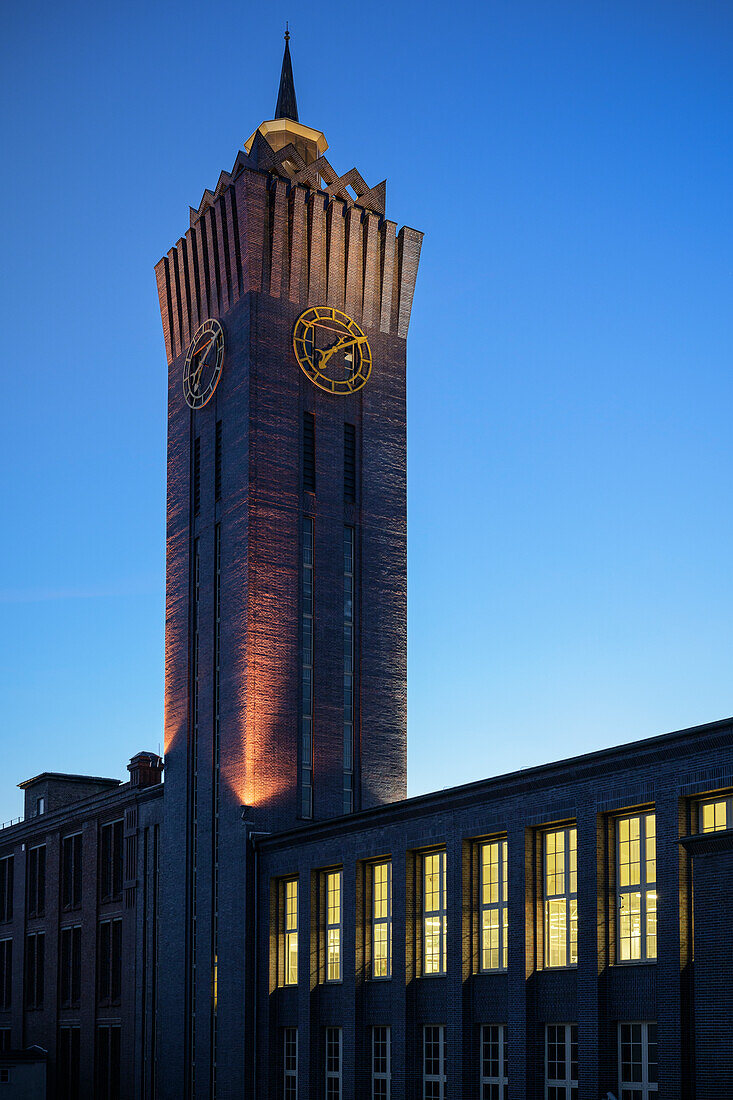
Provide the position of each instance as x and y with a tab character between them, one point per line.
349	462
217	461
197	475
309	452
306	720
348	669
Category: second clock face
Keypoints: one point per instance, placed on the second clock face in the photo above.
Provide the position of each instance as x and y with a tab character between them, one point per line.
202	369
332	350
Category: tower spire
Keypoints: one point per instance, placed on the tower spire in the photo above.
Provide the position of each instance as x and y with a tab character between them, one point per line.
287	105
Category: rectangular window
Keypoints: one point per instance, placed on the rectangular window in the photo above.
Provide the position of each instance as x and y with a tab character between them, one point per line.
5	1038
110	861
71	871
494	907
381	1063
561	1062
309	452
636	850
433	1073
349	462
434	913
382	920
35	945
67	1063
333	926
637	1061
6	888
290	932
561	897
290	1063
109	962
70	967
6	974
217	461
348	669
306	704
196	475
716	815
37	881
333	1063
107	1063
494	1075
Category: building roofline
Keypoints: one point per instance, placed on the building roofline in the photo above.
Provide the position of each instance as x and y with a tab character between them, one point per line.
70	778
455	797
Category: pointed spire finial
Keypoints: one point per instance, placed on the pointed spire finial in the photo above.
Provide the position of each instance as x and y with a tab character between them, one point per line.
287	105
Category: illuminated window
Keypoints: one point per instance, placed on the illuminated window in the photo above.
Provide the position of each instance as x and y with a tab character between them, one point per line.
494	1076
561	1062
333	1063
637	890
434	913
290	931
290	1063
433	1075
306	720
561	897
333	926
382	920
348	669
716	815
494	911
637	1061
381	1063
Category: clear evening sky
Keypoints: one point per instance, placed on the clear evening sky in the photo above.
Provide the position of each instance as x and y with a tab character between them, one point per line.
570	383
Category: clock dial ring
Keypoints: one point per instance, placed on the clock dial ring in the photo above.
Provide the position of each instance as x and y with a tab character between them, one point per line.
203	365
332	350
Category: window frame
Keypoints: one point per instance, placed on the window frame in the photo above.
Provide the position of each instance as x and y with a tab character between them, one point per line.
438	1078
567	896
290	1072
569	1083
379	922
648	1089
493	1086
500	906
646	888
36	884
330	1074
724	800
289	933
72	863
6	973
334	928
7	887
70	966
438	914
35	970
380	1075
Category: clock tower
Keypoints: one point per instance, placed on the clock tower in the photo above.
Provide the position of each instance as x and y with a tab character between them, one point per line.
285	309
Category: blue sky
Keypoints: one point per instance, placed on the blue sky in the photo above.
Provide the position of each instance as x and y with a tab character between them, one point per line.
570	387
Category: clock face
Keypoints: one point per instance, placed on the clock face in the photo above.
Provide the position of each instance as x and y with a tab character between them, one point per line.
332	350
202	369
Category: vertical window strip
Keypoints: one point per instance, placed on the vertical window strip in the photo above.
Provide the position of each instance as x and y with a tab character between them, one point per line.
333	1063
434	913
494	905
193	814
215	786
433	1077
6	974
197	475
561	1062
290	1063
6	888
217	460
37	881
494	1065
381	1063
309	452
348	669
636	853
382	920
637	1061
561	897
71	871
349	462
716	815
333	925
290	935
35	945
306	719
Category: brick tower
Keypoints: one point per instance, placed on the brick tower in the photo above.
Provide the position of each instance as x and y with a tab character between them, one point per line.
285	310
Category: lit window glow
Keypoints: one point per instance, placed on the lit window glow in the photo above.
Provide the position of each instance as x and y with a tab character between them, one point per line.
434	913
382	920
561	897
637	892
494	909
333	926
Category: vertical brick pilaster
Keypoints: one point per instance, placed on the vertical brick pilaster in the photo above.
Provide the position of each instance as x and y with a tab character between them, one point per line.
668	944
588	950
370	313
161	281
409	243
336	274
387	273
176	339
354	271
316	248
186	333
279	237
520	851
297	241
208	241
192	280
198	234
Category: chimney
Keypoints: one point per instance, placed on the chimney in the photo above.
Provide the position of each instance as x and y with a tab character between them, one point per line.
146	769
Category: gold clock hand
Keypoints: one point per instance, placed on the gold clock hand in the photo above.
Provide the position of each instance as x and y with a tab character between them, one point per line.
326	353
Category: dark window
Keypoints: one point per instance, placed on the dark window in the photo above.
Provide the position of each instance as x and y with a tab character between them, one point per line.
110	865
6	973
67	1064
6	888
217	462
71	873
109	962
309	452
5	1043
37	881
34	969
70	967
107	1063
196	475
349	462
